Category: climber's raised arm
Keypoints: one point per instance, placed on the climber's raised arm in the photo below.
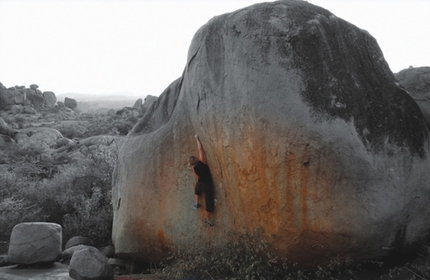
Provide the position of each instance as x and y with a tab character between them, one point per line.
202	156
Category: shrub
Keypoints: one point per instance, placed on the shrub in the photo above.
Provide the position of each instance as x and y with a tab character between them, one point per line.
78	196
248	258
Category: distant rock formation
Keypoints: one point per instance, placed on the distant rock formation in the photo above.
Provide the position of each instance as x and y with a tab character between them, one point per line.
19	95
49	99
417	82
70	103
307	135
144	106
138	104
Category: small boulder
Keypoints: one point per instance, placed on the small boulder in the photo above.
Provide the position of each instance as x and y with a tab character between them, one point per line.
77	240
6	130
49	99
16	109
138	104
88	263
21	137
417	82
34	86
67	254
20	96
63	142
35	243
70	103
7	98
35	96
29	110
43	137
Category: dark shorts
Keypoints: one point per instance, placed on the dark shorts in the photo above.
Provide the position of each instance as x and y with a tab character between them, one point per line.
207	189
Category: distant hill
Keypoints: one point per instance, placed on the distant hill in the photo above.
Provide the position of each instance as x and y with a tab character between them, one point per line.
93	97
100	103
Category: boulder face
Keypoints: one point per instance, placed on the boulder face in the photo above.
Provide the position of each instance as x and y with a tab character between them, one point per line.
33	243
87	263
307	135
49	99
20	95
71	103
417	82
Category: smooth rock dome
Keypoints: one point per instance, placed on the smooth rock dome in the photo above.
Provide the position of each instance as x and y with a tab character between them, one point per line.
307	135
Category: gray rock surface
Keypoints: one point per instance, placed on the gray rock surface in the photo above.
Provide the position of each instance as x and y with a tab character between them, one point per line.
138	104
307	136
149	100
417	82
16	109
35	97
6	141
49	99
34	243
41	137
77	240
6	130
70	103
88	263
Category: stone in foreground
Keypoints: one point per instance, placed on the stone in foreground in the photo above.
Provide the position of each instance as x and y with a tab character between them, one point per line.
35	243
88	263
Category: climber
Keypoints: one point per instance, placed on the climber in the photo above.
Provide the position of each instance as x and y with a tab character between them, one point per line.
204	183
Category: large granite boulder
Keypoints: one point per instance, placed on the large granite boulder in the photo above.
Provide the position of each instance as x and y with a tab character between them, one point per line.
417	82
35	243
87	263
307	135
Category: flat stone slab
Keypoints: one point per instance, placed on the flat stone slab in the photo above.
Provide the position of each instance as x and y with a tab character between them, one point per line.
56	271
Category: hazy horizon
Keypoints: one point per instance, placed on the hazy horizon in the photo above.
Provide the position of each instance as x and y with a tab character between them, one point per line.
139	47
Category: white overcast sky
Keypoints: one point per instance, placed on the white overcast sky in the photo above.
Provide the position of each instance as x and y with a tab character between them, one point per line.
140	46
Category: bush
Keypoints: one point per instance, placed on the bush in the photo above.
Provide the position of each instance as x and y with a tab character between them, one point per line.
248	258
78	197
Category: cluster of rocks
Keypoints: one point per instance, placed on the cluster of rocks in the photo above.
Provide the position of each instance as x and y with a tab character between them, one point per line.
33	244
20	99
41	137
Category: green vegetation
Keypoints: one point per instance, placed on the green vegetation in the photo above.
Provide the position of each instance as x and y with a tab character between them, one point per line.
76	196
250	258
